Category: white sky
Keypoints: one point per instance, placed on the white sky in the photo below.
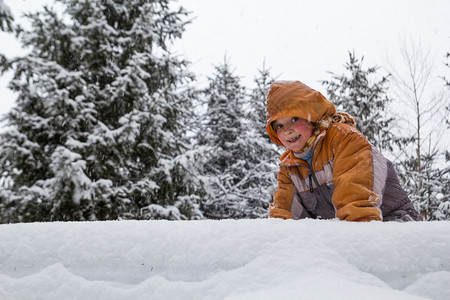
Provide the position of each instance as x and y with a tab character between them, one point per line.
297	39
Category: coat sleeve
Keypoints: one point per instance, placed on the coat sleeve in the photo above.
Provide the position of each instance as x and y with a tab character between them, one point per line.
353	176
280	208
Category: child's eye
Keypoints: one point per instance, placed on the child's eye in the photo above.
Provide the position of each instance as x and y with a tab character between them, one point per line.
278	126
294	119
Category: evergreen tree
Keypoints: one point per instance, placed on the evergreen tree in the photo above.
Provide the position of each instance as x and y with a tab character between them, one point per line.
258	100
6	17
98	128
262	154
240	172
356	94
443	212
428	189
223	130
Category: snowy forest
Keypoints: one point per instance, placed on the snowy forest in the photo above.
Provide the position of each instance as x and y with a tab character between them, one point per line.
108	124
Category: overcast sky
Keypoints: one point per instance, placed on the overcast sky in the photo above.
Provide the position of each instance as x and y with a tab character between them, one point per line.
296	39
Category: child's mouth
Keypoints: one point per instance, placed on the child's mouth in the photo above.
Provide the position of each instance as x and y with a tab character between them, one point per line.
294	139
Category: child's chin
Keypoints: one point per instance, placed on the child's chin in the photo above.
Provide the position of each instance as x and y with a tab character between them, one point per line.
296	149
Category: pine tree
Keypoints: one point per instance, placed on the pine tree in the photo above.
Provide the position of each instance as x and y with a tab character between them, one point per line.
443	212
356	94
258	100
6	17
98	128
263	154
240	172
222	130
428	189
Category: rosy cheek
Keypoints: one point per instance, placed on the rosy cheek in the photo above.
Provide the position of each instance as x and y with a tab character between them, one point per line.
282	139
301	127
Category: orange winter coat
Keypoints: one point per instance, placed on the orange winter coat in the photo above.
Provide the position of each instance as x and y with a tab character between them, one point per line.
342	158
348	178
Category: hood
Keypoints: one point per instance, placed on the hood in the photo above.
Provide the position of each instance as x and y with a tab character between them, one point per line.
295	99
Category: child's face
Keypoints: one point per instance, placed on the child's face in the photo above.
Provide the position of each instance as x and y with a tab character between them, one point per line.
293	132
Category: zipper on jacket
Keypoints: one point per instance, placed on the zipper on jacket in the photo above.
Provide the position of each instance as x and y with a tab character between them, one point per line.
319	187
312	175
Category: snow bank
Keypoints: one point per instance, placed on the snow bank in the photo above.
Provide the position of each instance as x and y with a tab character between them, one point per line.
245	259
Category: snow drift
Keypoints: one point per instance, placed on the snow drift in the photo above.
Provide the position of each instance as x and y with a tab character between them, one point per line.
228	259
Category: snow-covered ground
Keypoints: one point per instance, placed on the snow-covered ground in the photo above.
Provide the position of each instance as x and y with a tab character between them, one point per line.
228	259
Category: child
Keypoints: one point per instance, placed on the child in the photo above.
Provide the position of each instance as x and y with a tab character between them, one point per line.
329	169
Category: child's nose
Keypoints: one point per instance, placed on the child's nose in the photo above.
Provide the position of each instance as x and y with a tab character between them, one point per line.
289	128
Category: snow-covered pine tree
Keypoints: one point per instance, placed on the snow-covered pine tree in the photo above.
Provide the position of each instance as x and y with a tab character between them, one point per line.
258	96
432	199
356	93
223	131
260	181
240	172
98	128
6	17
443	212
429	188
